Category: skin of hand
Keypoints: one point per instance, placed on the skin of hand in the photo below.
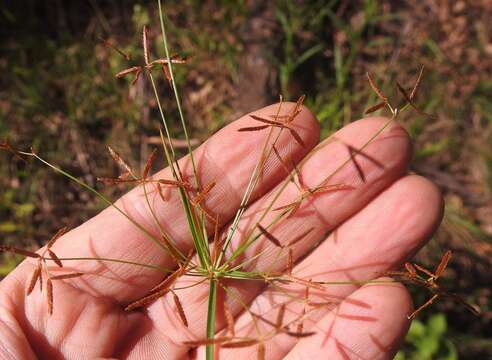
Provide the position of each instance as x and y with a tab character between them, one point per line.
374	227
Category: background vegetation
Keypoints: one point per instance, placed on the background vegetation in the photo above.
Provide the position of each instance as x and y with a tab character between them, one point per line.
58	93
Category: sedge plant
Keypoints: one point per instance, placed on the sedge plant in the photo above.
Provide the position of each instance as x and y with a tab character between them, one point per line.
226	254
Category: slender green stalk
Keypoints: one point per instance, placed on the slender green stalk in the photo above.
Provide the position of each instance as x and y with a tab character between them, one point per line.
211	316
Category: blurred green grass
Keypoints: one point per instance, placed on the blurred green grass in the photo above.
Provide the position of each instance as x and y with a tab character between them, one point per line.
58	94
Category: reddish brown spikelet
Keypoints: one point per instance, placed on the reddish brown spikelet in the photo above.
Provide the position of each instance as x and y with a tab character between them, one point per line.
375	88
146	300
297	137
444	263
55	258
229	319
180	309
217	240
413	94
253	128
300	334
269	236
201	195
145	44
290	262
376	107
15	250
357	317
424	270
133	69
261	352
119	160
266	121
300	237
411	270
240	344
40	280
34	279
116	181
403	92
160	191
280	317
333	187
67	276
55	237
149	163
49	296
167	74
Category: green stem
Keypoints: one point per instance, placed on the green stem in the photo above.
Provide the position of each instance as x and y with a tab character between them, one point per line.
212	302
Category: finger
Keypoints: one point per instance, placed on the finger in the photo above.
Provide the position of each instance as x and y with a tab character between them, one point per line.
392	149
378	238
355	332
228	158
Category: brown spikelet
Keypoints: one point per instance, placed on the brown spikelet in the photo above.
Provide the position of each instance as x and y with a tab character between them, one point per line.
300	237
217	240
15	250
240	344
280	317
403	92
67	276
146	300
444	263
292	205
34	279
300	334
133	69
415	89
49	296
266	121
253	128
332	188
290	262
160	192
55	237
229	319
41	281
260	355
145	44
424	270
297	137
411	270
375	88
204	192
149	163
269	236
119	160
167	74
55	258
180	309
376	107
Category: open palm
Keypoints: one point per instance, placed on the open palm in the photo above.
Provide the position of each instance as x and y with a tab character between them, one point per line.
374	227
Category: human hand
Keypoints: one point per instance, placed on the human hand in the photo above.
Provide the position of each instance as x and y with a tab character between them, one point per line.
374	227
